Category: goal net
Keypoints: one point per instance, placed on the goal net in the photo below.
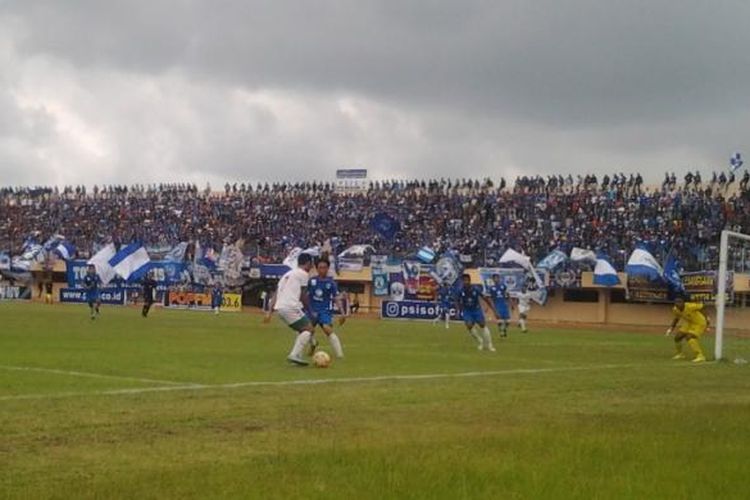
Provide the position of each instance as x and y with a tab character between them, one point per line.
732	340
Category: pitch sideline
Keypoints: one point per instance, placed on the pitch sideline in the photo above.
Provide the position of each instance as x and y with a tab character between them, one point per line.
322	381
90	375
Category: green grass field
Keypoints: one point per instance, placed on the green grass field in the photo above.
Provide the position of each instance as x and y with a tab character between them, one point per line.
189	405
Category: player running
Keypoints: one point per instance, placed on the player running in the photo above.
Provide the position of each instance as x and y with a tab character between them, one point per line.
149	289
445	303
469	303
524	306
323	293
91	284
693	324
498	292
291	300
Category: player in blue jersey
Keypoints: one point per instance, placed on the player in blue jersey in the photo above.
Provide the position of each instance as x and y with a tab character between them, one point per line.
323	294
91	284
445	304
470	304
498	294
217	297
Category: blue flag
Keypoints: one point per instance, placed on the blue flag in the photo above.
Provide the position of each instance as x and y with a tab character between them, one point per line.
385	225
66	250
177	253
554	259
605	273
672	271
736	162
643	263
426	255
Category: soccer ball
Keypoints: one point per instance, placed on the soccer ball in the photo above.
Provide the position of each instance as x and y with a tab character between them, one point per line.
321	359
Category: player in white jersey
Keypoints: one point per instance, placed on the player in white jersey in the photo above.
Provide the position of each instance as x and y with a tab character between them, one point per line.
291	300
524	306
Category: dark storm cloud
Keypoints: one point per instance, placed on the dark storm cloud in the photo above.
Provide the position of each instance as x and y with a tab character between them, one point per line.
400	87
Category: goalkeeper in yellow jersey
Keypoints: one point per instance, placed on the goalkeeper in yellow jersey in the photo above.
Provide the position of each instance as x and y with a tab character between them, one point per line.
693	323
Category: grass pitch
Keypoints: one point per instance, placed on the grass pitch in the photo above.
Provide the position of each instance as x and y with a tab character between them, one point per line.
189	405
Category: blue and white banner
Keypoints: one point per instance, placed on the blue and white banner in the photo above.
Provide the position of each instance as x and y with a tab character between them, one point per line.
605	273
65	250
513	279
642	263
230	263
672	275
113	296
273	270
129	260
379	275
583	255
426	255
101	262
553	260
4	261
413	309
165	274
447	269
351	264
385	225
177	253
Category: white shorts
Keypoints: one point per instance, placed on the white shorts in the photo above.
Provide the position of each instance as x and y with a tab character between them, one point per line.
524	310
291	316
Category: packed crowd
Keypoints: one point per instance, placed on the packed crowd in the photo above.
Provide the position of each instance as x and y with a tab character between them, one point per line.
479	218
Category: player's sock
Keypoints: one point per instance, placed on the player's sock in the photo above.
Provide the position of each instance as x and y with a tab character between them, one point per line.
336	345
447	321
487	338
696	348
522	323
299	344
505	328
144	312
678	350
476	336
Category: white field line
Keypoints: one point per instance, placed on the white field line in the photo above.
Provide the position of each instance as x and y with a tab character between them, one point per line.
322	381
89	375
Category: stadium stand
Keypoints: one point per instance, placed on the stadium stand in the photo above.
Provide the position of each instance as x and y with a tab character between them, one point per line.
477	217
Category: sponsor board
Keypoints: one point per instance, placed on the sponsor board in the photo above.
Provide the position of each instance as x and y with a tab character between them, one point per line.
200	301
109	296
12	292
702	287
413	309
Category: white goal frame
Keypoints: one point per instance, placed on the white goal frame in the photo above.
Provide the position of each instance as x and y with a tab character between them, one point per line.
722	288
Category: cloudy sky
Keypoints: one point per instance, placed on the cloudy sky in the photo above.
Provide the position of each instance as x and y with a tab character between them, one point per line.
95	91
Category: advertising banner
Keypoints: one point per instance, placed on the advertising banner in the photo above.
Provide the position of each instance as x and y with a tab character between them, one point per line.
231	302
189	300
413	309
200	301
109	296
8	292
701	285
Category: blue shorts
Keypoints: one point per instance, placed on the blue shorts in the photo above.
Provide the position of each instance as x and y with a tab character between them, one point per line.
322	318
473	316
92	297
502	310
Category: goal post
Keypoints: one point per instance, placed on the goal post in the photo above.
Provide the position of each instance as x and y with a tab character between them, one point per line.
722	288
